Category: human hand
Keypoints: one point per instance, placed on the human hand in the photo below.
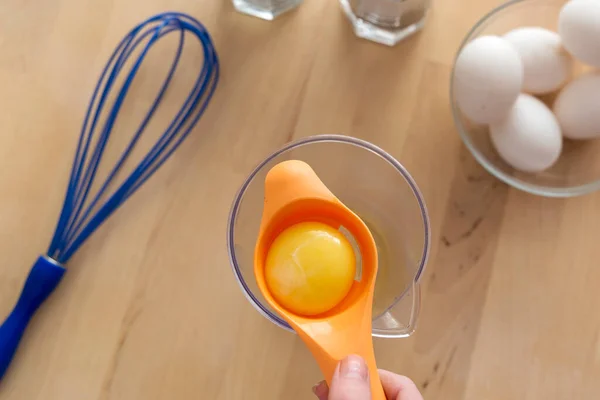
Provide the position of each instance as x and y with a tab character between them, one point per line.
351	382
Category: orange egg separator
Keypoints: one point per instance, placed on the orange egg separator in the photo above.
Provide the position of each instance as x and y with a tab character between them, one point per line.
293	194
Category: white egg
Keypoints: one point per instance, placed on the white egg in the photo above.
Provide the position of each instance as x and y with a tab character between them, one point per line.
577	107
488	75
529	138
579	28
547	66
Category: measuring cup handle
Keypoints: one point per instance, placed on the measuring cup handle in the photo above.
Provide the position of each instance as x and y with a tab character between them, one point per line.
41	282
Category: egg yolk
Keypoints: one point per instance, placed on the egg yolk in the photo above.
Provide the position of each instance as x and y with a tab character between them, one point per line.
310	268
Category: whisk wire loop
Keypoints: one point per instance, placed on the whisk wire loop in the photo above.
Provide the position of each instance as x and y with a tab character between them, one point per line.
80	218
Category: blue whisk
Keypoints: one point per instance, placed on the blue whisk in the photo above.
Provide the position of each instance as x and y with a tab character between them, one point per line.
79	217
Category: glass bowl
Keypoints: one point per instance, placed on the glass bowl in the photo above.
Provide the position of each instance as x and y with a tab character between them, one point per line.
377	188
577	171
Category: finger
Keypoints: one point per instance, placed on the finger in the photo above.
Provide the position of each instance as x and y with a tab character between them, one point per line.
351	380
321	390
398	387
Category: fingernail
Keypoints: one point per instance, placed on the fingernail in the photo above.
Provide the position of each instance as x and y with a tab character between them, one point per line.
319	389
354	367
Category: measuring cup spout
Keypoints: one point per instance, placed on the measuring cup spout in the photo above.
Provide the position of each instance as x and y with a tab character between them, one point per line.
401	316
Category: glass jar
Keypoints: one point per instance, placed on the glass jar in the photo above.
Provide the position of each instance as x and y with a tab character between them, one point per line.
265	9
386	21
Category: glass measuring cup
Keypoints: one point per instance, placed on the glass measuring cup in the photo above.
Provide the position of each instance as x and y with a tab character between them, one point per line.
377	188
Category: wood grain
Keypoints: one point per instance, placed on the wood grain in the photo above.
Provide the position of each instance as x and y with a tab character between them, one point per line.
150	309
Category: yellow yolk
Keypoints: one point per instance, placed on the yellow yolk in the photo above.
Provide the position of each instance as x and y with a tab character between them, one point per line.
310	268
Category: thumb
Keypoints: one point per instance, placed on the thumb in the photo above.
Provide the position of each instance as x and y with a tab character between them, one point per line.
351	380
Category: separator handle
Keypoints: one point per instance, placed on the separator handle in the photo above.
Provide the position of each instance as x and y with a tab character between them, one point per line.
43	278
329	364
329	346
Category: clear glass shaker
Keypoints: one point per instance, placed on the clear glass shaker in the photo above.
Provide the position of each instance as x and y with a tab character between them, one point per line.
386	21
265	9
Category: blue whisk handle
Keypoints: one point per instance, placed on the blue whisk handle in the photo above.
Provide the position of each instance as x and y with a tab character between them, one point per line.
42	280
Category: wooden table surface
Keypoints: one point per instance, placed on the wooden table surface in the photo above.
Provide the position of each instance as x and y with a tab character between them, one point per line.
150	309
